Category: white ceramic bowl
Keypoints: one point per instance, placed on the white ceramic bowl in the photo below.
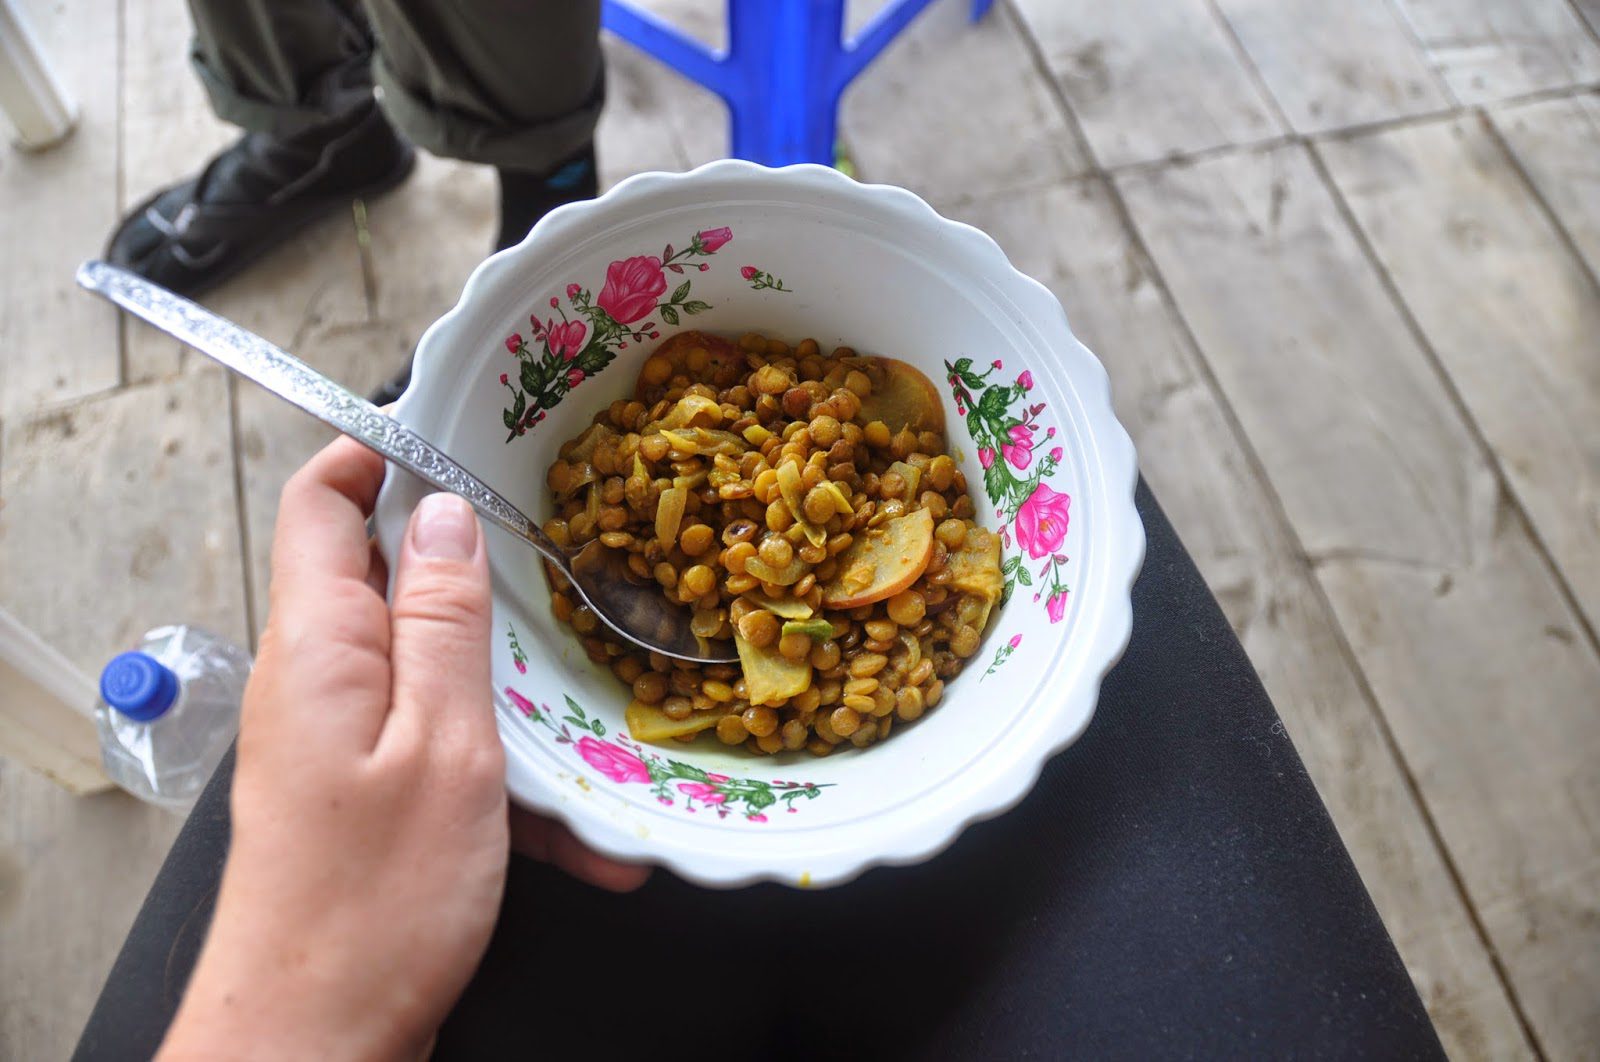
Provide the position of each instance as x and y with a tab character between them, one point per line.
802	251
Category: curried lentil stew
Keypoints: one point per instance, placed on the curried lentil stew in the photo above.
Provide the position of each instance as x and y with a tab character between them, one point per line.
804	506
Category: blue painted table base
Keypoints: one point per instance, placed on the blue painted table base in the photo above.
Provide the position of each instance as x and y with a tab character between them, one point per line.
785	68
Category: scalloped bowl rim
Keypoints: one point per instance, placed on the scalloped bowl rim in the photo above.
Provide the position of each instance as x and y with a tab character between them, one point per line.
983	797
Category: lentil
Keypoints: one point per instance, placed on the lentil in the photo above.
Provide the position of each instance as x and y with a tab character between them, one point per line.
881	630
844	721
907	608
731	731
760	628
650	687
824	654
760	720
699	580
776	551
951	534
795	646
695	539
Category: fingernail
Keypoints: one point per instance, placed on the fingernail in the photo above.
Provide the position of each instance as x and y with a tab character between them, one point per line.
445	528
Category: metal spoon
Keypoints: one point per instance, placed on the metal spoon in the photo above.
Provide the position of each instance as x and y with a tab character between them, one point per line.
637	612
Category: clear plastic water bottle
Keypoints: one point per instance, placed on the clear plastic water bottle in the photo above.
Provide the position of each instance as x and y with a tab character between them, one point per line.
168	712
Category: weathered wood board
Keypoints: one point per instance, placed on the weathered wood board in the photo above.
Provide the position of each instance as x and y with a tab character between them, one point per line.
1511	313
927	114
1557	144
120	515
1330	66
1148	78
1489	50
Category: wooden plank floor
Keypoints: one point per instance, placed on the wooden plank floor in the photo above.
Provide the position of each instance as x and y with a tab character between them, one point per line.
1342	262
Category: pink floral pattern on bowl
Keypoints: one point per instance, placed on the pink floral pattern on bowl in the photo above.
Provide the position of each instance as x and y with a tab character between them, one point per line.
1001	655
1034	517
561	352
761	280
674	783
519	659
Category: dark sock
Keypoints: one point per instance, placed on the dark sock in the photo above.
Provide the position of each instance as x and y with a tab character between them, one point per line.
524	199
527	197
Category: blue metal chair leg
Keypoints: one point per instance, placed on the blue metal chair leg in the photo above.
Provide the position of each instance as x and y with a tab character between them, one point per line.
786	51
785	69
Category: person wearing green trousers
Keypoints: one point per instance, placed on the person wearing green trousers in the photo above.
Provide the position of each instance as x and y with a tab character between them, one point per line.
333	94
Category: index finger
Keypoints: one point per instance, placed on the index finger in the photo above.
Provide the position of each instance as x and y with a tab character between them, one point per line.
321	529
327	634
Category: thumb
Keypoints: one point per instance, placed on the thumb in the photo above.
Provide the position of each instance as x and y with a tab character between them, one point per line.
440	614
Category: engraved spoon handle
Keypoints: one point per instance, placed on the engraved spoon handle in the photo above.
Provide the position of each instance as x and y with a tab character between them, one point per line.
293	380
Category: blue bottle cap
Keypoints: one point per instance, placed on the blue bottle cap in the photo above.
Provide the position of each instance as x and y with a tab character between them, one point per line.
139	686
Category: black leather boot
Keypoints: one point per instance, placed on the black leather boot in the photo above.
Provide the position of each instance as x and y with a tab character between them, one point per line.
254	196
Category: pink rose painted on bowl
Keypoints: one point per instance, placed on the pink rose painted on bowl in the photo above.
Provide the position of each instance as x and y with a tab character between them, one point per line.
632	287
574	377
566	339
748	272
1027	509
712	239
624	761
513	341
613	761
524	705
573	290
1042	521
1056	606
706	794
1019	451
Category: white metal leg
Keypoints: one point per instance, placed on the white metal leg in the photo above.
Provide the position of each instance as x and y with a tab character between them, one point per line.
30	93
